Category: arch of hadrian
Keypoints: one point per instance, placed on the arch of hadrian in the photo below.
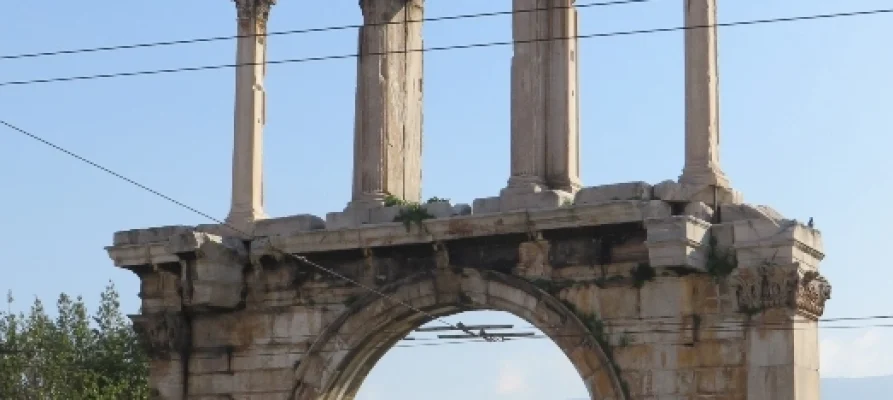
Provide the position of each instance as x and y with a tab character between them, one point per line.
678	290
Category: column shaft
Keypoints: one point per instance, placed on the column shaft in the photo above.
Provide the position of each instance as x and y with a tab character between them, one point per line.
545	121
701	96
249	116
562	101
388	127
528	111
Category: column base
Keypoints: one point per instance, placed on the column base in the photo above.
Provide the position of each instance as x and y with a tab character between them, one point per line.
519	198
241	223
704	176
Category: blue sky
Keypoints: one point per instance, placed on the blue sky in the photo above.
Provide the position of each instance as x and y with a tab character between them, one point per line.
803	130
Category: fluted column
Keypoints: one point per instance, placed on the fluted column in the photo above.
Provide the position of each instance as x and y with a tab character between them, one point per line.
388	127
250	109
701	96
544	122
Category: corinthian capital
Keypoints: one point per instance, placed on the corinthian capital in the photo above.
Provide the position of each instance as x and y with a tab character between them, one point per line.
792	287
254	9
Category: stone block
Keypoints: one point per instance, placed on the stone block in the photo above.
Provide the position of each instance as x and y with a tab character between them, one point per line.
763	242
215	264
223	230
462	209
676	241
673	191
439	209
215	294
614	192
383	215
486	205
699	210
148	235
287	226
510	200
351	217
743	212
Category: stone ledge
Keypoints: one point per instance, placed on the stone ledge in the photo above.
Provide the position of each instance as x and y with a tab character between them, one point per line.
510	200
355	216
613	192
764	242
392	234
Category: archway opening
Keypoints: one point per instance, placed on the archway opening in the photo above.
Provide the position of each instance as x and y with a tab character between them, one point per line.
445	364
342	356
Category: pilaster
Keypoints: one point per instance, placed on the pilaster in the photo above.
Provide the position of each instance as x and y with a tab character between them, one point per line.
388	127
250	115
701	96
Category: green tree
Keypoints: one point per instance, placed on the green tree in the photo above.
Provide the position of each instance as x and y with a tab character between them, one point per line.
74	356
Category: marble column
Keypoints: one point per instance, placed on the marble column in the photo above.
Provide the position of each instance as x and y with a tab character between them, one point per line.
250	109
388	127
562	101
701	96
544	121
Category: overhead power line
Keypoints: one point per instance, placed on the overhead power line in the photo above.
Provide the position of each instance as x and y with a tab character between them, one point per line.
305	31
458	326
452	47
300	259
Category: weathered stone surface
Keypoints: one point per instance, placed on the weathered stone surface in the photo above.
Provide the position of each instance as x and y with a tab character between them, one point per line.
247	205
388	129
486	205
513	200
699	210
545	153
288	225
708	194
743	212
149	235
669	334
633	293
763	242
677	241
614	192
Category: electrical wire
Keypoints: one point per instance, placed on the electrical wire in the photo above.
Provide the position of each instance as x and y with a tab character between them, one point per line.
304	260
301	259
309	30
458	326
449	48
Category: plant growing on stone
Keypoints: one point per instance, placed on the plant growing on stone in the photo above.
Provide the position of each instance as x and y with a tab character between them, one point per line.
412	213
391	201
642	273
597	328
436	199
719	264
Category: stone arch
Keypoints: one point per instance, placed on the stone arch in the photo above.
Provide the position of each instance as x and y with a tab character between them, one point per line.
341	357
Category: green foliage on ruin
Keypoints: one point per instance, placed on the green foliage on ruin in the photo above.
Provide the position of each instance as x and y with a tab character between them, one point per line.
412	213
597	328
719	263
71	356
643	272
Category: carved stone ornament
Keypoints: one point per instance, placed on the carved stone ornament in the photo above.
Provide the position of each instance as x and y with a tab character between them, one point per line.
789	286
248	9
162	335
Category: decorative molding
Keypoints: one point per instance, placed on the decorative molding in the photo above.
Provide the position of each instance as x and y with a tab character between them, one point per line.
254	9
162	335
773	286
